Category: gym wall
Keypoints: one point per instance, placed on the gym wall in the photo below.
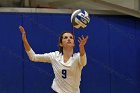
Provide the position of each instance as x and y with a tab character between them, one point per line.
113	52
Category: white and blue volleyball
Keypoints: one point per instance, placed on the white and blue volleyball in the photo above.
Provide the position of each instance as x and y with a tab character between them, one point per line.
80	18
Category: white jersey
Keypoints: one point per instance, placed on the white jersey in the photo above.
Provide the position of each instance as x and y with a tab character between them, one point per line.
67	75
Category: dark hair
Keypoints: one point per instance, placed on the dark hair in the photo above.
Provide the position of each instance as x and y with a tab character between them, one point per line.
60	40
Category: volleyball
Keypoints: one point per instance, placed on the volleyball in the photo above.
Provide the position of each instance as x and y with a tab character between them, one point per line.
80	18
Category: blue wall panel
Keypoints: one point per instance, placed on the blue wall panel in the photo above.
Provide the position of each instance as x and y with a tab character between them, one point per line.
40	40
122	54
96	77
137	75
11	65
113	51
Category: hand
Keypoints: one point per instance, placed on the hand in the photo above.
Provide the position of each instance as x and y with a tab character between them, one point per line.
22	32
22	29
82	41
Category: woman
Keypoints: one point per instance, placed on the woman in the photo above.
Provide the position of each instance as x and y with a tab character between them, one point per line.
67	66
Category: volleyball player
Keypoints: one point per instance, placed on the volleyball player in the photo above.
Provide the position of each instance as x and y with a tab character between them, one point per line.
66	64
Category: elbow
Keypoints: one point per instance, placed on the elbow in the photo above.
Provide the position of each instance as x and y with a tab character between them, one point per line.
32	58
84	63
31	55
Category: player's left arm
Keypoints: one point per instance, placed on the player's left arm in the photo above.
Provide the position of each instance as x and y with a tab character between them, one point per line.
82	41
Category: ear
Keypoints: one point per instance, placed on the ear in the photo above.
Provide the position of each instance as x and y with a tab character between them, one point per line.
60	44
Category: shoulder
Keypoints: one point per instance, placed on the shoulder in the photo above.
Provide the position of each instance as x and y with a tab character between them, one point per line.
76	54
55	54
79	58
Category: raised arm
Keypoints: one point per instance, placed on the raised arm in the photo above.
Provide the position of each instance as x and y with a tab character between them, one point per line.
32	56
82	41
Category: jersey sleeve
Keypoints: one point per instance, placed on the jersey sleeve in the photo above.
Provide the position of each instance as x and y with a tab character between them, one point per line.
81	59
46	57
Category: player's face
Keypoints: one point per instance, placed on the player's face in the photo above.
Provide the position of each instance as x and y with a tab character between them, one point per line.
68	40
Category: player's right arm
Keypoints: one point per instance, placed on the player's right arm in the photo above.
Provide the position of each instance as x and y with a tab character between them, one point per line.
32	56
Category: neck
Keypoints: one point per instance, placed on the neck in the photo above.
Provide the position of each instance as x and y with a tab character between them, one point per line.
67	53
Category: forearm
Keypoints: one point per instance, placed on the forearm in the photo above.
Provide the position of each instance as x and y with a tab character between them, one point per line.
82	50
26	44
83	56
38	57
82	41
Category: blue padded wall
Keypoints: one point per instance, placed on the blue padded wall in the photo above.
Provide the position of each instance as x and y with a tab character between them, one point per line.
123	54
11	65
113	52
